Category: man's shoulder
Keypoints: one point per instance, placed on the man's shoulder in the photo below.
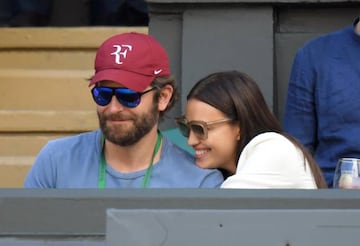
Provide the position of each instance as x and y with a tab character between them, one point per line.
182	164
181	158
171	150
326	40
81	138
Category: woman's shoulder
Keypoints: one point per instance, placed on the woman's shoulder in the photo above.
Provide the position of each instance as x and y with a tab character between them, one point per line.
272	145
270	138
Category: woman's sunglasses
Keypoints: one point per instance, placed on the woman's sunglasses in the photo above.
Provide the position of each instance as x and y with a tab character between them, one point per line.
102	95
199	128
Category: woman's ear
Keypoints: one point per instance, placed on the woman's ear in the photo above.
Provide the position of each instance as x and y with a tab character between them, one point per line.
238	133
166	93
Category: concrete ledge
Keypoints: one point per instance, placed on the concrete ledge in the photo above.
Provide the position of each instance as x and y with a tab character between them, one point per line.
82	212
60	37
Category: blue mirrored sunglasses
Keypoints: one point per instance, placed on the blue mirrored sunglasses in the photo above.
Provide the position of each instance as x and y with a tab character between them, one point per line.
102	95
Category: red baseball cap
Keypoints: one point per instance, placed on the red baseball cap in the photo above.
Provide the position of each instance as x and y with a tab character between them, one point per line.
132	59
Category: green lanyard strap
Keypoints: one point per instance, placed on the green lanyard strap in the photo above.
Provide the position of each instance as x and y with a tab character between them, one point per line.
147	177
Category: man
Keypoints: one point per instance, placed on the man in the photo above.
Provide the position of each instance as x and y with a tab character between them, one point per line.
323	102
132	88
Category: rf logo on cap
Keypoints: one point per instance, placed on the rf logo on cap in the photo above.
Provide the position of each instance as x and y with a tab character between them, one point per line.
118	53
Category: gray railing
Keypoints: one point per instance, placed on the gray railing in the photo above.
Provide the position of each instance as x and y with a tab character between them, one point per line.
78	217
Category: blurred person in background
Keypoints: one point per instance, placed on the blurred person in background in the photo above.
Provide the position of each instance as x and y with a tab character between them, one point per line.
26	13
323	102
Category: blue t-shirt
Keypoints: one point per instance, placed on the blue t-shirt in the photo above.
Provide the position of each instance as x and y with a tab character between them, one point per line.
323	101
73	162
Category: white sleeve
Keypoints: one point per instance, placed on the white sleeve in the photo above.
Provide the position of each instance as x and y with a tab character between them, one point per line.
271	161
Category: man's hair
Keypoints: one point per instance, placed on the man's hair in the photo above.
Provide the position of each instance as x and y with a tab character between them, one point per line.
161	82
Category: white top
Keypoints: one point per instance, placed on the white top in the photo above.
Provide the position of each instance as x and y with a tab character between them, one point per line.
271	161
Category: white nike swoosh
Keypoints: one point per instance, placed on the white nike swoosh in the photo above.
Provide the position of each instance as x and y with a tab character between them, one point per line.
157	71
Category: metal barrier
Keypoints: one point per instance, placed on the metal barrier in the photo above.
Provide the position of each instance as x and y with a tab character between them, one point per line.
78	216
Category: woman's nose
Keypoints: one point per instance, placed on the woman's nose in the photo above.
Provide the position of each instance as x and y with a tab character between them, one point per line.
193	139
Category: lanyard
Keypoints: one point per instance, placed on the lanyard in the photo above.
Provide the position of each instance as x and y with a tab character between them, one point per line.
102	165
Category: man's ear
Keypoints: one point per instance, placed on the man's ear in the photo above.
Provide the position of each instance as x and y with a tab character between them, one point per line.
165	96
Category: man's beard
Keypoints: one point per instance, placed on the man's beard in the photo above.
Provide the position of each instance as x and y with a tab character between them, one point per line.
128	135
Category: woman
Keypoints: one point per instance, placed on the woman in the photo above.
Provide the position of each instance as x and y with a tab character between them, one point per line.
230	127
